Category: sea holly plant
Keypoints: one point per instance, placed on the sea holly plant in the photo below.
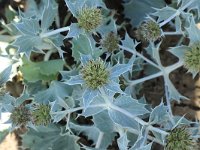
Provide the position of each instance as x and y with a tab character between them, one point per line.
83	75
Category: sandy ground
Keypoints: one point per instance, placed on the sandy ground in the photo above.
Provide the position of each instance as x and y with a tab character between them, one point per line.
10	143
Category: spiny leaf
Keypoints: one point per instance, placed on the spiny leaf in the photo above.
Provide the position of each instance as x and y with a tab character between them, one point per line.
49	137
137	10
55	91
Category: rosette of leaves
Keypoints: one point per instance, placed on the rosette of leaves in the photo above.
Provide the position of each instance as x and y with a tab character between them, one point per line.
95	75
179	138
41	115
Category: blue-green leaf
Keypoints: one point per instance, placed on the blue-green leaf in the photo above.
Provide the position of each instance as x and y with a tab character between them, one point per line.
164	13
122	119
193	31
92	133
45	70
137	10
179	51
101	119
48	16
113	87
74	31
96	106
49	137
119	69
55	91
131	105
77	79
80	46
123	141
5	74
159	114
88	96
27	43
28	26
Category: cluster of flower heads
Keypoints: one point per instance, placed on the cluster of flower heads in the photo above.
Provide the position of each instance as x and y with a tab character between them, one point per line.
89	18
22	115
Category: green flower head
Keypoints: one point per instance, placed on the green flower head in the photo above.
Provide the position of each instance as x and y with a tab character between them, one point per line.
192	58
110	42
41	115
95	74
179	139
149	31
20	116
89	18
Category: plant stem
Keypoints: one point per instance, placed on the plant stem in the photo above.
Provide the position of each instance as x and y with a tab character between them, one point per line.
100	138
54	32
173	67
140	121
140	55
134	131
169	105
48	54
134	82
176	14
172	33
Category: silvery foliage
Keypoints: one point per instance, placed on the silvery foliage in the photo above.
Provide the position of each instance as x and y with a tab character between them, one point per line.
116	112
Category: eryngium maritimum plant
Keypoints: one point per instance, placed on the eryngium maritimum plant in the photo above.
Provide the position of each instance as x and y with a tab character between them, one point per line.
101	96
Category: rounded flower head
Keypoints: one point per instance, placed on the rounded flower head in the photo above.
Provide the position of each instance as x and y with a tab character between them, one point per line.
192	58
41	115
95	74
20	116
149	31
111	42
89	18
179	139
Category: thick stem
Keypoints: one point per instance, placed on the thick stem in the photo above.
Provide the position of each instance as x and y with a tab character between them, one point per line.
54	32
140	55
140	121
173	67
169	105
176	14
134	82
172	33
48	54
148	136
100	138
